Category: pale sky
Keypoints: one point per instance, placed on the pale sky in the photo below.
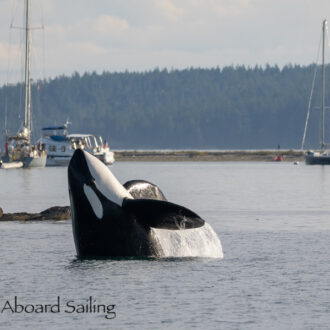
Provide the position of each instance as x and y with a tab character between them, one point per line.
138	35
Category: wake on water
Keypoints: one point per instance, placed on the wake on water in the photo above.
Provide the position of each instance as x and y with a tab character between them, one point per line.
199	242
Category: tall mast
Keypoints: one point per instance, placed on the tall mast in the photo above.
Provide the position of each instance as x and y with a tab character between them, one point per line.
323	84
27	83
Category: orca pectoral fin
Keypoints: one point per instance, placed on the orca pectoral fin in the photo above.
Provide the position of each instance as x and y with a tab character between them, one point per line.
162	214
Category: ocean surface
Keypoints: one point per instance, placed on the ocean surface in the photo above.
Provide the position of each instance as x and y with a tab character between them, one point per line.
273	220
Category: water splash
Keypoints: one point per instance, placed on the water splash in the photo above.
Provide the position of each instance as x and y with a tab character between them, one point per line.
199	242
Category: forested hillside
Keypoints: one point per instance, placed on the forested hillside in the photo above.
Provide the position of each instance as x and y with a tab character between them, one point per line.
229	108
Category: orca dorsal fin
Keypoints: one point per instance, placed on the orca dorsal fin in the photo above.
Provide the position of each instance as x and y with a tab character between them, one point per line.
162	214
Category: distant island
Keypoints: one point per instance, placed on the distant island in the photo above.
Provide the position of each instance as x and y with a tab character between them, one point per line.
228	108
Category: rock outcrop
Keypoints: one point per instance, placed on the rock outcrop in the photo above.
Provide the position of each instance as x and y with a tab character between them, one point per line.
53	213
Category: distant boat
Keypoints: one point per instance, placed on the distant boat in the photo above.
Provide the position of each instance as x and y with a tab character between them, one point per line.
317	157
278	158
18	148
60	145
322	156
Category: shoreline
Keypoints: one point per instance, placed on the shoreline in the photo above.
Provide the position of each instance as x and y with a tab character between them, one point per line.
208	155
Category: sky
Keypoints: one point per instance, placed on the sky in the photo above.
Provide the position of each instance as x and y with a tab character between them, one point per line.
139	35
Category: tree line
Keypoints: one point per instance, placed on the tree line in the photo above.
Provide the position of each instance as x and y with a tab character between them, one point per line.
221	108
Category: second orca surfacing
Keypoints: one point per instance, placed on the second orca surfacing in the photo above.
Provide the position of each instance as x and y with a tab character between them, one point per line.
114	220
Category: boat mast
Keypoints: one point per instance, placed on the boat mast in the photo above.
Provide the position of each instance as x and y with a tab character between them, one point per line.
27	83
323	84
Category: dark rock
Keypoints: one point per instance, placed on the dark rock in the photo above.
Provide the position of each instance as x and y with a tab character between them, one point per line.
53	213
57	213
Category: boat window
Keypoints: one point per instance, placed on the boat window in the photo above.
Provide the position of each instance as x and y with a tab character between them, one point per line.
63	148
52	148
88	142
95	142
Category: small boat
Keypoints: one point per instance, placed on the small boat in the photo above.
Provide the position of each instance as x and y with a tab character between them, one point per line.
19	149
278	158
321	156
11	165
60	145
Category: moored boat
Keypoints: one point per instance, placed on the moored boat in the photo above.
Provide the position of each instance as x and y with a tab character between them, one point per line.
10	165
317	158
19	149
321	156
278	158
60	145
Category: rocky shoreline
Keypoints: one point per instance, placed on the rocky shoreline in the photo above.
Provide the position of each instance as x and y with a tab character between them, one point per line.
213	156
52	213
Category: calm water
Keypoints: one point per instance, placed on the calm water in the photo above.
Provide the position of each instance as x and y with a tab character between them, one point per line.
273	220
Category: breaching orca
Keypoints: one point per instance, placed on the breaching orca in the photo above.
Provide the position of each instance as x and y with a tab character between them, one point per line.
114	220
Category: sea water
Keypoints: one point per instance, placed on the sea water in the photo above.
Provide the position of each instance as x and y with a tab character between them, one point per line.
273	221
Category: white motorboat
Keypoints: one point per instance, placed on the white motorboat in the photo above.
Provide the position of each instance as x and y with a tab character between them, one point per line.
60	145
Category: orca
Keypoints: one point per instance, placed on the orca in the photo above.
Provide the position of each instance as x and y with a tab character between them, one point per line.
114	220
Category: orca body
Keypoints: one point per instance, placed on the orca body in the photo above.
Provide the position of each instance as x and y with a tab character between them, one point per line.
114	220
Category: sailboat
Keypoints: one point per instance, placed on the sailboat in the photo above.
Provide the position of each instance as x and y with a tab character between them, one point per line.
321	156
19	151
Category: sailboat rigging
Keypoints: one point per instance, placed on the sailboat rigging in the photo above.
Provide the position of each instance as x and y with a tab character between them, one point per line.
19	151
321	156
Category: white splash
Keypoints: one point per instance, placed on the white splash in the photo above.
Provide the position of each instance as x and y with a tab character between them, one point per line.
199	242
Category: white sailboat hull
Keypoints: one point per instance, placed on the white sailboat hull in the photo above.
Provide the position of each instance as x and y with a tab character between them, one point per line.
35	161
26	161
